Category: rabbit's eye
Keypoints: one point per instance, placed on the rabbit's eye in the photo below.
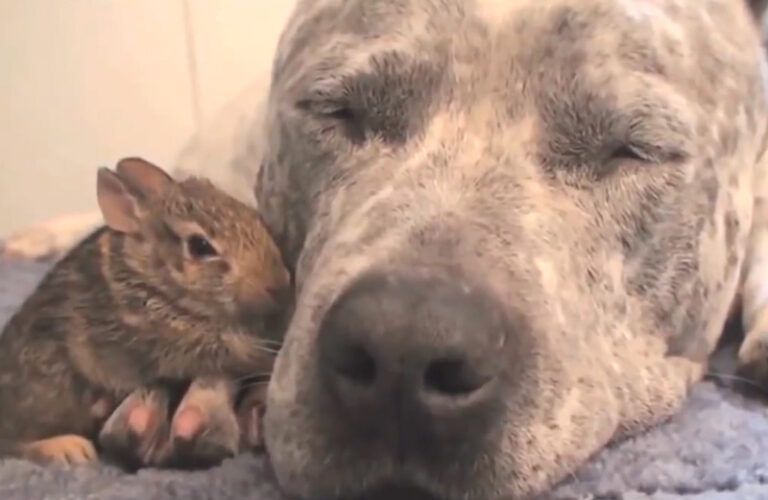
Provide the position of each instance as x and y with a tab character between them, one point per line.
199	247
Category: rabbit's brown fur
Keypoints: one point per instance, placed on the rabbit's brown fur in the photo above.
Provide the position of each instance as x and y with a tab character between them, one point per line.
133	304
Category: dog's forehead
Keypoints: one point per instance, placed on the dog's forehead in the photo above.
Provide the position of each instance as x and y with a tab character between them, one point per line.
514	40
346	33
496	13
591	23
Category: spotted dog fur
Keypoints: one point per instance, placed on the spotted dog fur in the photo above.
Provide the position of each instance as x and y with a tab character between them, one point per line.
597	167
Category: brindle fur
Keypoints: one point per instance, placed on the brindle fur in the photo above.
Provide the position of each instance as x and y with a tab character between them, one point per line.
125	310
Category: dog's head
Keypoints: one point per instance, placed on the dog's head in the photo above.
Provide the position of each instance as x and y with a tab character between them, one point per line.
502	216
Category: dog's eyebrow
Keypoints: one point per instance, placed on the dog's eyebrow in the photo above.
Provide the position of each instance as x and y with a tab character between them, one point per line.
328	76
658	120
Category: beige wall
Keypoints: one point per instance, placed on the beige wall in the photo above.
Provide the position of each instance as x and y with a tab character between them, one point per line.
86	82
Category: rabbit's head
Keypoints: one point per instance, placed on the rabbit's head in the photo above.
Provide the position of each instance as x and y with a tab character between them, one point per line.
197	245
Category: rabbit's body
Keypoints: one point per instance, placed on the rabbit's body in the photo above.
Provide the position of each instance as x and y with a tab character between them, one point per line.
124	310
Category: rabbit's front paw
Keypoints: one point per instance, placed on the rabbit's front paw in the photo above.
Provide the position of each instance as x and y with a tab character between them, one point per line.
136	434
250	416
148	430
204	429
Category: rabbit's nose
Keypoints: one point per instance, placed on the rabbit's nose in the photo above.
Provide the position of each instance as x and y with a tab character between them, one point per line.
260	301
281	295
256	304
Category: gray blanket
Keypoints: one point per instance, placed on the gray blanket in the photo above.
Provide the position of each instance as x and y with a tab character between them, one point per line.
716	448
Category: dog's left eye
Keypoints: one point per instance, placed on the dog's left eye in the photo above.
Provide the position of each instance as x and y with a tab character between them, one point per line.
644	153
200	248
627	152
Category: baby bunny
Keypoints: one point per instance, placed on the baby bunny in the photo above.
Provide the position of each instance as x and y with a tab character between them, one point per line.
183	282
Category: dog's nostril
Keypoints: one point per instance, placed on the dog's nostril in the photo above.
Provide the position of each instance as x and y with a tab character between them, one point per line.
452	377
354	362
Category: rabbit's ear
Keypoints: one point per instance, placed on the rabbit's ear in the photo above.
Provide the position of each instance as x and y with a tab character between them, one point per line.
118	204
149	180
758	8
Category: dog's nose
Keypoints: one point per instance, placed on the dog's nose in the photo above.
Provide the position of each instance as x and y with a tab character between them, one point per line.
417	350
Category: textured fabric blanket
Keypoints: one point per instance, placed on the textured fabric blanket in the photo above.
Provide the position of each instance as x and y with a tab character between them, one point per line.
716	448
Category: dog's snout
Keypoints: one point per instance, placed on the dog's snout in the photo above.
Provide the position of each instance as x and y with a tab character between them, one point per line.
416	347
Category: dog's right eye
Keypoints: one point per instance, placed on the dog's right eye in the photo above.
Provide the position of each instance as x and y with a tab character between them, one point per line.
328	108
199	247
339	115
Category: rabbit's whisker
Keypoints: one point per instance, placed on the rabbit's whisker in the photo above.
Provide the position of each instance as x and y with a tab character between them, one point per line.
267	350
277	343
253	375
735	378
254	384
